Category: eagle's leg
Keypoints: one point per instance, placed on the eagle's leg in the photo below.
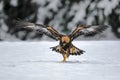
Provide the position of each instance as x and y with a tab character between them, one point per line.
64	57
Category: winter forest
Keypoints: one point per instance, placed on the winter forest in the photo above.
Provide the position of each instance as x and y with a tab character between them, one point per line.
63	15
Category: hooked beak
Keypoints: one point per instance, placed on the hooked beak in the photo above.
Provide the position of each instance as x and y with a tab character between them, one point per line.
64	44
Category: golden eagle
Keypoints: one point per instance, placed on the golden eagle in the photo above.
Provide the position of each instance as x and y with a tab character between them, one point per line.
65	47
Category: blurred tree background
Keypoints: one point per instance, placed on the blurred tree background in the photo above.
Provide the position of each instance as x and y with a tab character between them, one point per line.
63	15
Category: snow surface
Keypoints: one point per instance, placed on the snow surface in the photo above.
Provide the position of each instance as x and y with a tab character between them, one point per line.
35	61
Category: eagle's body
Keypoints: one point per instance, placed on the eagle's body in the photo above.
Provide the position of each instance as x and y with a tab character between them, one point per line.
65	47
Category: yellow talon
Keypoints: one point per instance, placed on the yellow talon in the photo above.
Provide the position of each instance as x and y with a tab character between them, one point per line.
63	60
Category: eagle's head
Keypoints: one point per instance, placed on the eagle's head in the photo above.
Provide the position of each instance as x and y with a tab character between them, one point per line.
65	40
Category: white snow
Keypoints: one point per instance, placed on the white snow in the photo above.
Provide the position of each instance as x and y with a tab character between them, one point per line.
14	2
108	8
35	61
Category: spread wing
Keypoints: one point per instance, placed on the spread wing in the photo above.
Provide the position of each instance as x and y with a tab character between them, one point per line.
44	29
87	30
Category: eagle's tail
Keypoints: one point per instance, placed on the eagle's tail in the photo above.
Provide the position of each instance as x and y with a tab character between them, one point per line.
72	50
75	51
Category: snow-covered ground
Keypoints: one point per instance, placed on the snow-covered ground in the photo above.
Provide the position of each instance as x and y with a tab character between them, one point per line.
35	61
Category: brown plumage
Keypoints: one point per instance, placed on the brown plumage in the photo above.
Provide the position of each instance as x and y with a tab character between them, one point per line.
65	47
